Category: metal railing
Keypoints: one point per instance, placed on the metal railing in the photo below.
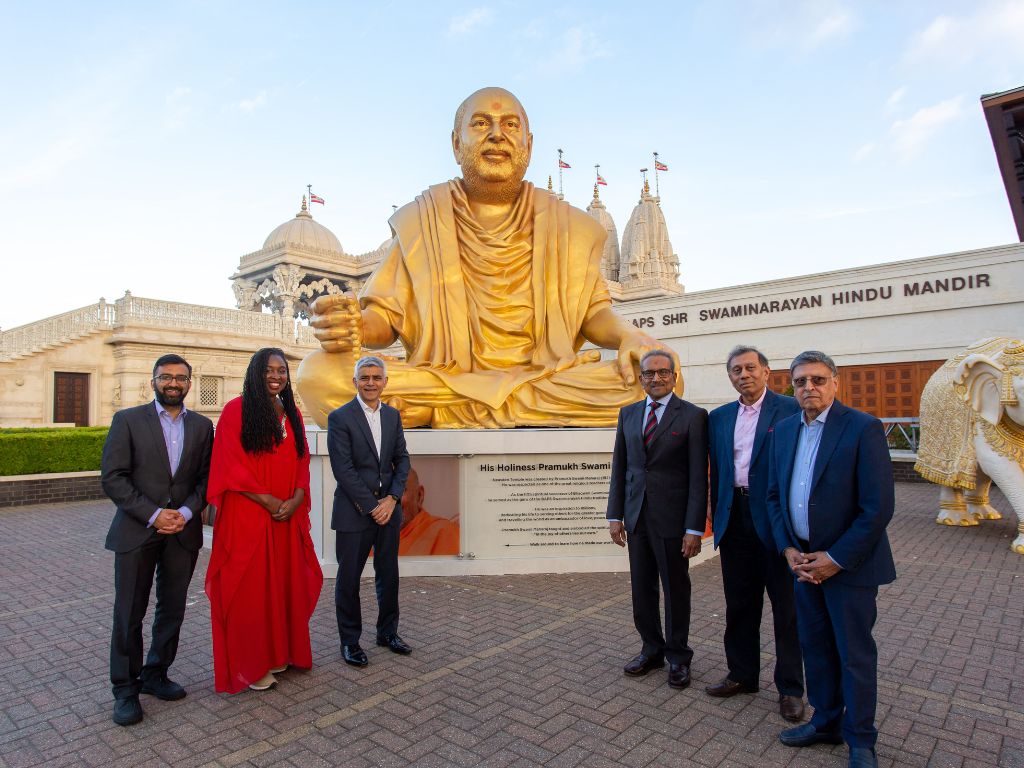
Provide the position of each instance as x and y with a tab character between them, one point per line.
902	434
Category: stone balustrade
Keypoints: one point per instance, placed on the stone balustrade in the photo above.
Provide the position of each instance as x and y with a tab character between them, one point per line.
137	311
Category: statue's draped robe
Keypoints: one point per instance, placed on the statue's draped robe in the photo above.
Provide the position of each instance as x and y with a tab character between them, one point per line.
490	320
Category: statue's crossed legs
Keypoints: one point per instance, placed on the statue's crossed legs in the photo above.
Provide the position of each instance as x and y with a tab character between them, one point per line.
588	394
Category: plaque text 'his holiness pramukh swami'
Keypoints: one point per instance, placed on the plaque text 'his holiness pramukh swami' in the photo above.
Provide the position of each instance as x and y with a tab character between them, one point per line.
542	505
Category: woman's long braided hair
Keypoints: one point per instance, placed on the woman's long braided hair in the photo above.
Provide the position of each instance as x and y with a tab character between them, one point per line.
261	430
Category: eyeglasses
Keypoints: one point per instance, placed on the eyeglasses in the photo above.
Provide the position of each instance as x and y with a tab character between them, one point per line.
166	378
818	381
662	373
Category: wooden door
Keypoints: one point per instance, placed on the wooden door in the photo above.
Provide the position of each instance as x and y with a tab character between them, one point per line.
71	398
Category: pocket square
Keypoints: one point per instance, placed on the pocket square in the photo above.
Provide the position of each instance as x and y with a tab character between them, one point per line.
676	434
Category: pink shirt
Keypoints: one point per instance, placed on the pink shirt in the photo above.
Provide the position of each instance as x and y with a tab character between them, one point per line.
743	439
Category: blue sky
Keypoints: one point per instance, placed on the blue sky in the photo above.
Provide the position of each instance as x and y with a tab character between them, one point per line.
148	146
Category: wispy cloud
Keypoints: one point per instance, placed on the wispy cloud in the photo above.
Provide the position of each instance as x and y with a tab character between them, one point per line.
177	101
835	24
909	136
993	29
574	48
806	24
459	26
248	106
863	152
895	97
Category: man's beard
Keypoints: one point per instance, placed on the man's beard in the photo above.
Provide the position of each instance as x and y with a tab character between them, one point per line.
488	190
169	400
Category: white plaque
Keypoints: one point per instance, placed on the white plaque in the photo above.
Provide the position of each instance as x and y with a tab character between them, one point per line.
536	505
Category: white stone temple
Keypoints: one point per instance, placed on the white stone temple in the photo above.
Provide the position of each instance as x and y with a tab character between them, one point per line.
888	326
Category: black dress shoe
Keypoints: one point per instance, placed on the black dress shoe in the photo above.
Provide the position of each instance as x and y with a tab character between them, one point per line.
128	711
162	688
791	708
354	655
805	735
395	643
863	757
641	664
727	687
678	675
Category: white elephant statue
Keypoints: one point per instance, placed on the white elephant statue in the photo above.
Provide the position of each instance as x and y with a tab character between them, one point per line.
972	433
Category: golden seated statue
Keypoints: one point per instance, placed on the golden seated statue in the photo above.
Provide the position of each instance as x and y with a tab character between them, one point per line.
492	286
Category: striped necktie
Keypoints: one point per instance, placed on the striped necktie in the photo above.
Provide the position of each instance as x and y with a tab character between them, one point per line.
652	423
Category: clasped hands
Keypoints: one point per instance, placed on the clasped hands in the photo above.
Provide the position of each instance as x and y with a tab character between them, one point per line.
810	567
381	514
691	541
169	521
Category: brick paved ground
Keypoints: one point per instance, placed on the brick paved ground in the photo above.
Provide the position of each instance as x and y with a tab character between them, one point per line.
507	671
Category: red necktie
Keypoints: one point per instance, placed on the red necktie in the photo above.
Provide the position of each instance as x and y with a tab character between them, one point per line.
652	424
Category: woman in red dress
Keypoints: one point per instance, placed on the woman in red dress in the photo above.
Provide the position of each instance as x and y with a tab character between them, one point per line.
264	578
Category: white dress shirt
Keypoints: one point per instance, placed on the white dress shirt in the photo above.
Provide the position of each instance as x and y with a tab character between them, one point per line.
373	419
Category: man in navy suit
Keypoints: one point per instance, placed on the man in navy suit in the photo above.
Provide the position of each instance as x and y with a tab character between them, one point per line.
658	495
370	463
830	497
156	463
739	438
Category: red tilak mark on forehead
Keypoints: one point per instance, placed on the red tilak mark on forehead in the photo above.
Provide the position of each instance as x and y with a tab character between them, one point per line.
495	105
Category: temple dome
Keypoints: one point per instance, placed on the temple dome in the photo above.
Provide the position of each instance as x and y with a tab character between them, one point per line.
610	253
648	266
304	232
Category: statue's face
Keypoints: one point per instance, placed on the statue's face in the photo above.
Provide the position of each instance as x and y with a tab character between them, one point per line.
492	141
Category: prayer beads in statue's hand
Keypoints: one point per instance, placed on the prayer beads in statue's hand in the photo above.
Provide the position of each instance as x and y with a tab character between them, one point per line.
337	323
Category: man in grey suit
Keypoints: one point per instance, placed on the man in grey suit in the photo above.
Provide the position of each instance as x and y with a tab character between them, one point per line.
658	495
156	462
370	463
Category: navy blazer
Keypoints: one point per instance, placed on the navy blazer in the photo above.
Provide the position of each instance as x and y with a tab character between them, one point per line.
363	480
136	475
852	494
672	474
721	428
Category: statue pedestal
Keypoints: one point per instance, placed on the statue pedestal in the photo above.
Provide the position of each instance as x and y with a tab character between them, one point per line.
526	500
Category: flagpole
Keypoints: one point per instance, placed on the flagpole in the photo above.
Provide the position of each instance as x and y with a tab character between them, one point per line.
644	172
657	189
560	173
597	172
309	195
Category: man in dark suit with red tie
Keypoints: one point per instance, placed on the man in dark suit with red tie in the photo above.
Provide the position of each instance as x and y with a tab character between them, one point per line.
739	439
156	463
657	504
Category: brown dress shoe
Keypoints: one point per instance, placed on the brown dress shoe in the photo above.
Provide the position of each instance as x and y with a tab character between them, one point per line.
641	664
725	688
678	675
791	708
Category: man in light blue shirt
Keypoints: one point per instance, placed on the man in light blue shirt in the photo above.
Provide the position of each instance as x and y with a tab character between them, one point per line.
830	497
156	461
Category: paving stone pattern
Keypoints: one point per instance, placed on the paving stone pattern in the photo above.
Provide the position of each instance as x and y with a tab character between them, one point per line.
507	671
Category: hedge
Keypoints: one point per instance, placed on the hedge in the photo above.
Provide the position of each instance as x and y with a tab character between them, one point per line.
35	451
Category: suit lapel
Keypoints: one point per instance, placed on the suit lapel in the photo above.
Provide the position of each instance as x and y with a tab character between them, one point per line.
725	444
835	423
763	420
364	427
152	420
385	433
786	438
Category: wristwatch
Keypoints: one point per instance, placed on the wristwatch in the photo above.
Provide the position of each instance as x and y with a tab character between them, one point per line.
396	498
